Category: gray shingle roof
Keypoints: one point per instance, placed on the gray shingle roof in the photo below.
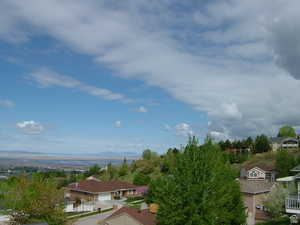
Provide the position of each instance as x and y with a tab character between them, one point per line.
255	186
281	139
296	169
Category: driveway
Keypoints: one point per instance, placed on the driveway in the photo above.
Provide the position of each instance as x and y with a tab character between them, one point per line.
93	220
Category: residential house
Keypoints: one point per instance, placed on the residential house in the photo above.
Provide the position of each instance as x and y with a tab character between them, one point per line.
292	201
261	172
284	142
256	182
131	216
87	194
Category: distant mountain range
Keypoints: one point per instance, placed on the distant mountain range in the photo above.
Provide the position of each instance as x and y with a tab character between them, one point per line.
20	152
106	154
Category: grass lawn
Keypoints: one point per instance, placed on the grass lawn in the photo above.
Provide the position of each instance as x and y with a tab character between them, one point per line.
136	205
133	199
74	213
86	214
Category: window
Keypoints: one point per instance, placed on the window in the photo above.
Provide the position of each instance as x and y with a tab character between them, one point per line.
253	174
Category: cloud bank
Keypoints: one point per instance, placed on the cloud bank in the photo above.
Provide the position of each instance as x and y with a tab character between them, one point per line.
235	60
47	78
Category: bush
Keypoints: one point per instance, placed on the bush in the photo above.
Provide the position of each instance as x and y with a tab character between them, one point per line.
275	201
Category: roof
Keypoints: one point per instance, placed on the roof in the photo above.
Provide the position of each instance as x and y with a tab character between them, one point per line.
286	179
265	168
94	186
142	216
255	186
296	169
281	139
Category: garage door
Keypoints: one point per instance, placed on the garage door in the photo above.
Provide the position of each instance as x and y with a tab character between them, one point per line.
104	197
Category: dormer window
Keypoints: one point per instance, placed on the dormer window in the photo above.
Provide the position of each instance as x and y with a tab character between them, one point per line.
253	174
256	173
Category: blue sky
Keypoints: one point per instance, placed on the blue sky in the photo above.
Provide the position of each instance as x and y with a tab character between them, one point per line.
87	77
69	116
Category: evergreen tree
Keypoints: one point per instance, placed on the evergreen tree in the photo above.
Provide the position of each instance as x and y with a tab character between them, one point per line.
201	189
124	169
249	143
262	144
227	144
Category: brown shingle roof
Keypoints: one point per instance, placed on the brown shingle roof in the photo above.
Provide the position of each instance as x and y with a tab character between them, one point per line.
142	216
255	186
95	186
263	167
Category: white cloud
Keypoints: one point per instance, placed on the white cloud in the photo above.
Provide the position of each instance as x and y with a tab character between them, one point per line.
142	109
184	129
234	59
30	127
47	78
216	135
118	123
7	103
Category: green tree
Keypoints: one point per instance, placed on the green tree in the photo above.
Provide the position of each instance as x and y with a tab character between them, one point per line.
148	154
249	143
201	189
227	144
141	179
287	131
124	169
262	144
285	161
35	199
93	170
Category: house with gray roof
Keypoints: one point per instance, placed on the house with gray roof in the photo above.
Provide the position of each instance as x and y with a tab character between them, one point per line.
284	142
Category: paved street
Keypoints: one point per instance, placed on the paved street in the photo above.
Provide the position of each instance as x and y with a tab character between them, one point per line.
93	220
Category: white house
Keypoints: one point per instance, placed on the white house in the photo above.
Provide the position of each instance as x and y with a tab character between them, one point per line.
292	201
284	142
258	173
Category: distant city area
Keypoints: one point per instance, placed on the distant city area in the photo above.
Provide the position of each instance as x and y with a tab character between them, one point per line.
18	162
